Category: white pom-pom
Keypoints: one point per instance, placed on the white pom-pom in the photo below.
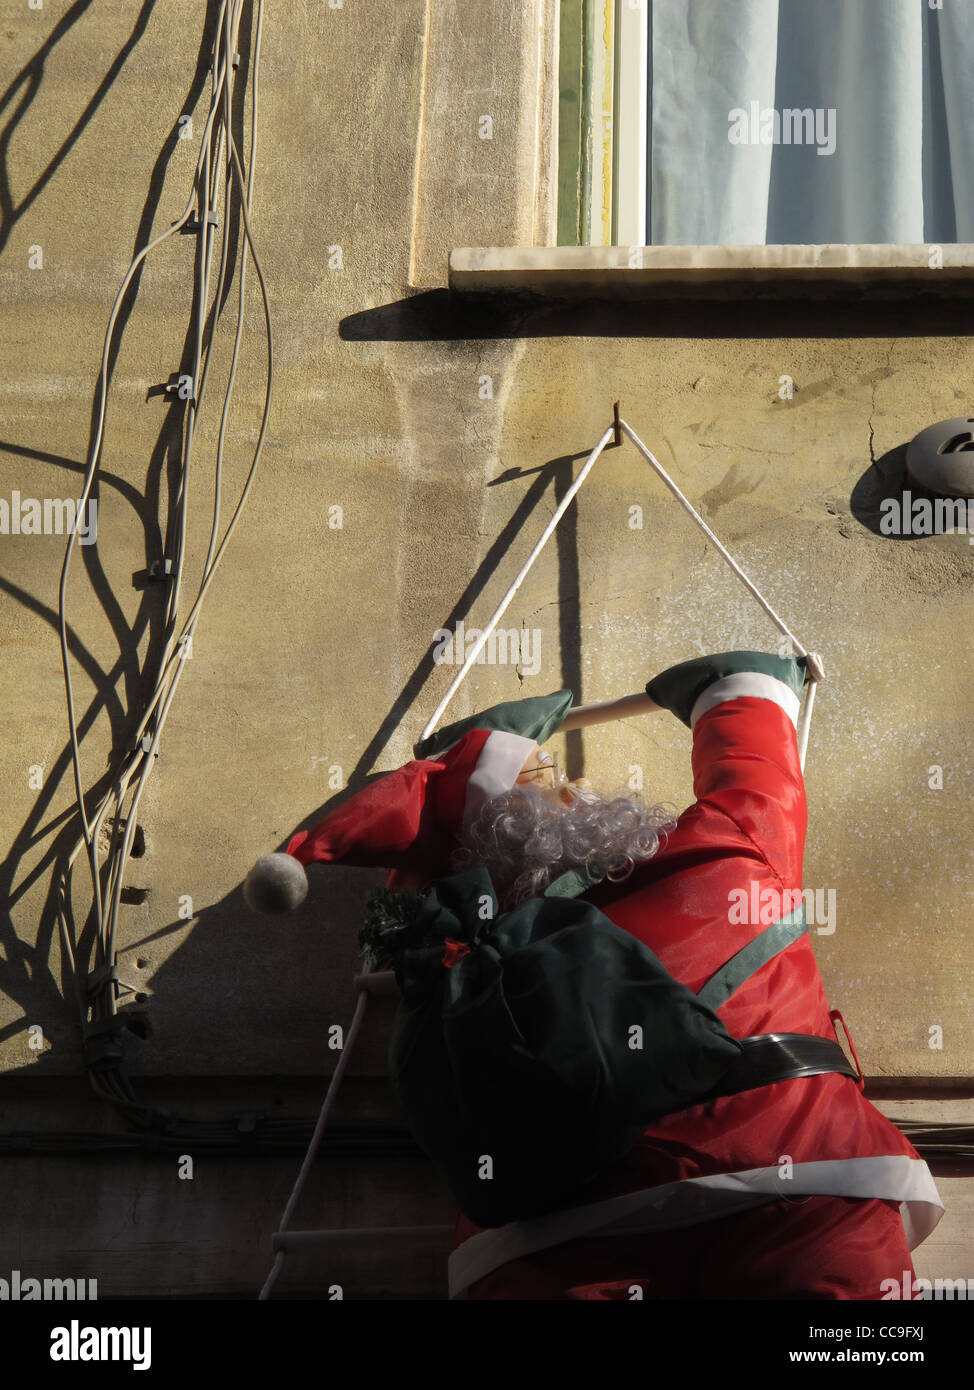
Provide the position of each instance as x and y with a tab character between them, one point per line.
276	883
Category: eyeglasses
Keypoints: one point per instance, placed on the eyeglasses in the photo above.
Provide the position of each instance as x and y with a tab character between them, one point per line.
541	772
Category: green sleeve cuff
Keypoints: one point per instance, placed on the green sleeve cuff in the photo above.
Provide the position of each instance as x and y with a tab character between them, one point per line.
679	687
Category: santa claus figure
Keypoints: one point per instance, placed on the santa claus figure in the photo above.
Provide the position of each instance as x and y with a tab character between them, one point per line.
780	1181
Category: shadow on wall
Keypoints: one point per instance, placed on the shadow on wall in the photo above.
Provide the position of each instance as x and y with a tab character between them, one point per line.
887	502
25	972
560	472
30	78
226	955
448	316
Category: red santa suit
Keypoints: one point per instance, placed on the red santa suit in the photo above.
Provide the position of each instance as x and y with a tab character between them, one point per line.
799	1189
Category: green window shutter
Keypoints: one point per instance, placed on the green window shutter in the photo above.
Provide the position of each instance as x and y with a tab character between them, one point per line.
575	133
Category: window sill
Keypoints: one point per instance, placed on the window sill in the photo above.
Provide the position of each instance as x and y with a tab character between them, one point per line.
718	272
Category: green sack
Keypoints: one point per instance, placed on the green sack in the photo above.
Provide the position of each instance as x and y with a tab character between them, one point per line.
539	1055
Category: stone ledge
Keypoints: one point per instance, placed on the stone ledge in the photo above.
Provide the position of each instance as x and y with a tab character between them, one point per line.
718	272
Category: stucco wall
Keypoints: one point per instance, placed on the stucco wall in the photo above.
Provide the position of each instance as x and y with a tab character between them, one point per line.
314	649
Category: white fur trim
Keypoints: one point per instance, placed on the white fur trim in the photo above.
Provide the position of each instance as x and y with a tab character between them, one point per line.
498	767
754	683
894	1177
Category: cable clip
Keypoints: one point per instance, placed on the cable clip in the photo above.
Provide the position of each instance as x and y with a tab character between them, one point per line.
194	224
145	746
102	1049
180	384
158	572
137	1021
104	975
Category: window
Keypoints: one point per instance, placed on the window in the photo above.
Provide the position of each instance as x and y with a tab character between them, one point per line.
765	122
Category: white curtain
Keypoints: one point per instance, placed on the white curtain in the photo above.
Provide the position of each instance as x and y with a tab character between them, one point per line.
889	83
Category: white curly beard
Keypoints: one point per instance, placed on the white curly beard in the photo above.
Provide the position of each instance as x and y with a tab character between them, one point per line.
525	840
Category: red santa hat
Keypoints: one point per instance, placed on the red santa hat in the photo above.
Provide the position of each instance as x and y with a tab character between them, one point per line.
411	820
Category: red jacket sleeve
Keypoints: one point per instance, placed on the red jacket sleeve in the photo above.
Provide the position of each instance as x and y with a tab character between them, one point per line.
745	764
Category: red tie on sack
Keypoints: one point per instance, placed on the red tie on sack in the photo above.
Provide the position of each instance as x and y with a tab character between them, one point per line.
833	1015
454	950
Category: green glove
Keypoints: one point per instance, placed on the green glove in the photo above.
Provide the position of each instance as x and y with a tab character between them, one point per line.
679	687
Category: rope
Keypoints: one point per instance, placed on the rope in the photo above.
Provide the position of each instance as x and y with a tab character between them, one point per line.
813	662
505	601
316	1138
785	631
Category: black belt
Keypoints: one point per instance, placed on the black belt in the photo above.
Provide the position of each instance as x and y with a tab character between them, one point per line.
770	1057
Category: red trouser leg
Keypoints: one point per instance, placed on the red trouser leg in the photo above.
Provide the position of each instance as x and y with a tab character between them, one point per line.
819	1248
811	1248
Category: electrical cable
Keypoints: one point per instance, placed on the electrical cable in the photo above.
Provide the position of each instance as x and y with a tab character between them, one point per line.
101	1000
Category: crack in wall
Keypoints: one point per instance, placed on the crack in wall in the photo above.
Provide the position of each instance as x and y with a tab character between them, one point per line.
872	403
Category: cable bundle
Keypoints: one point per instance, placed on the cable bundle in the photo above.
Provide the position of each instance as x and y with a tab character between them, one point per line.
97	994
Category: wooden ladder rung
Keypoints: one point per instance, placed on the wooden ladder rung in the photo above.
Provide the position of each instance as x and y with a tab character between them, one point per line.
303	1240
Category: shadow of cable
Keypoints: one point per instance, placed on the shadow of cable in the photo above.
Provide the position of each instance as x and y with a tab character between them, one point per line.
25	973
32	75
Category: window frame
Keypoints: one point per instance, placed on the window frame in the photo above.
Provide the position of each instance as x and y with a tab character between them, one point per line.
485	215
